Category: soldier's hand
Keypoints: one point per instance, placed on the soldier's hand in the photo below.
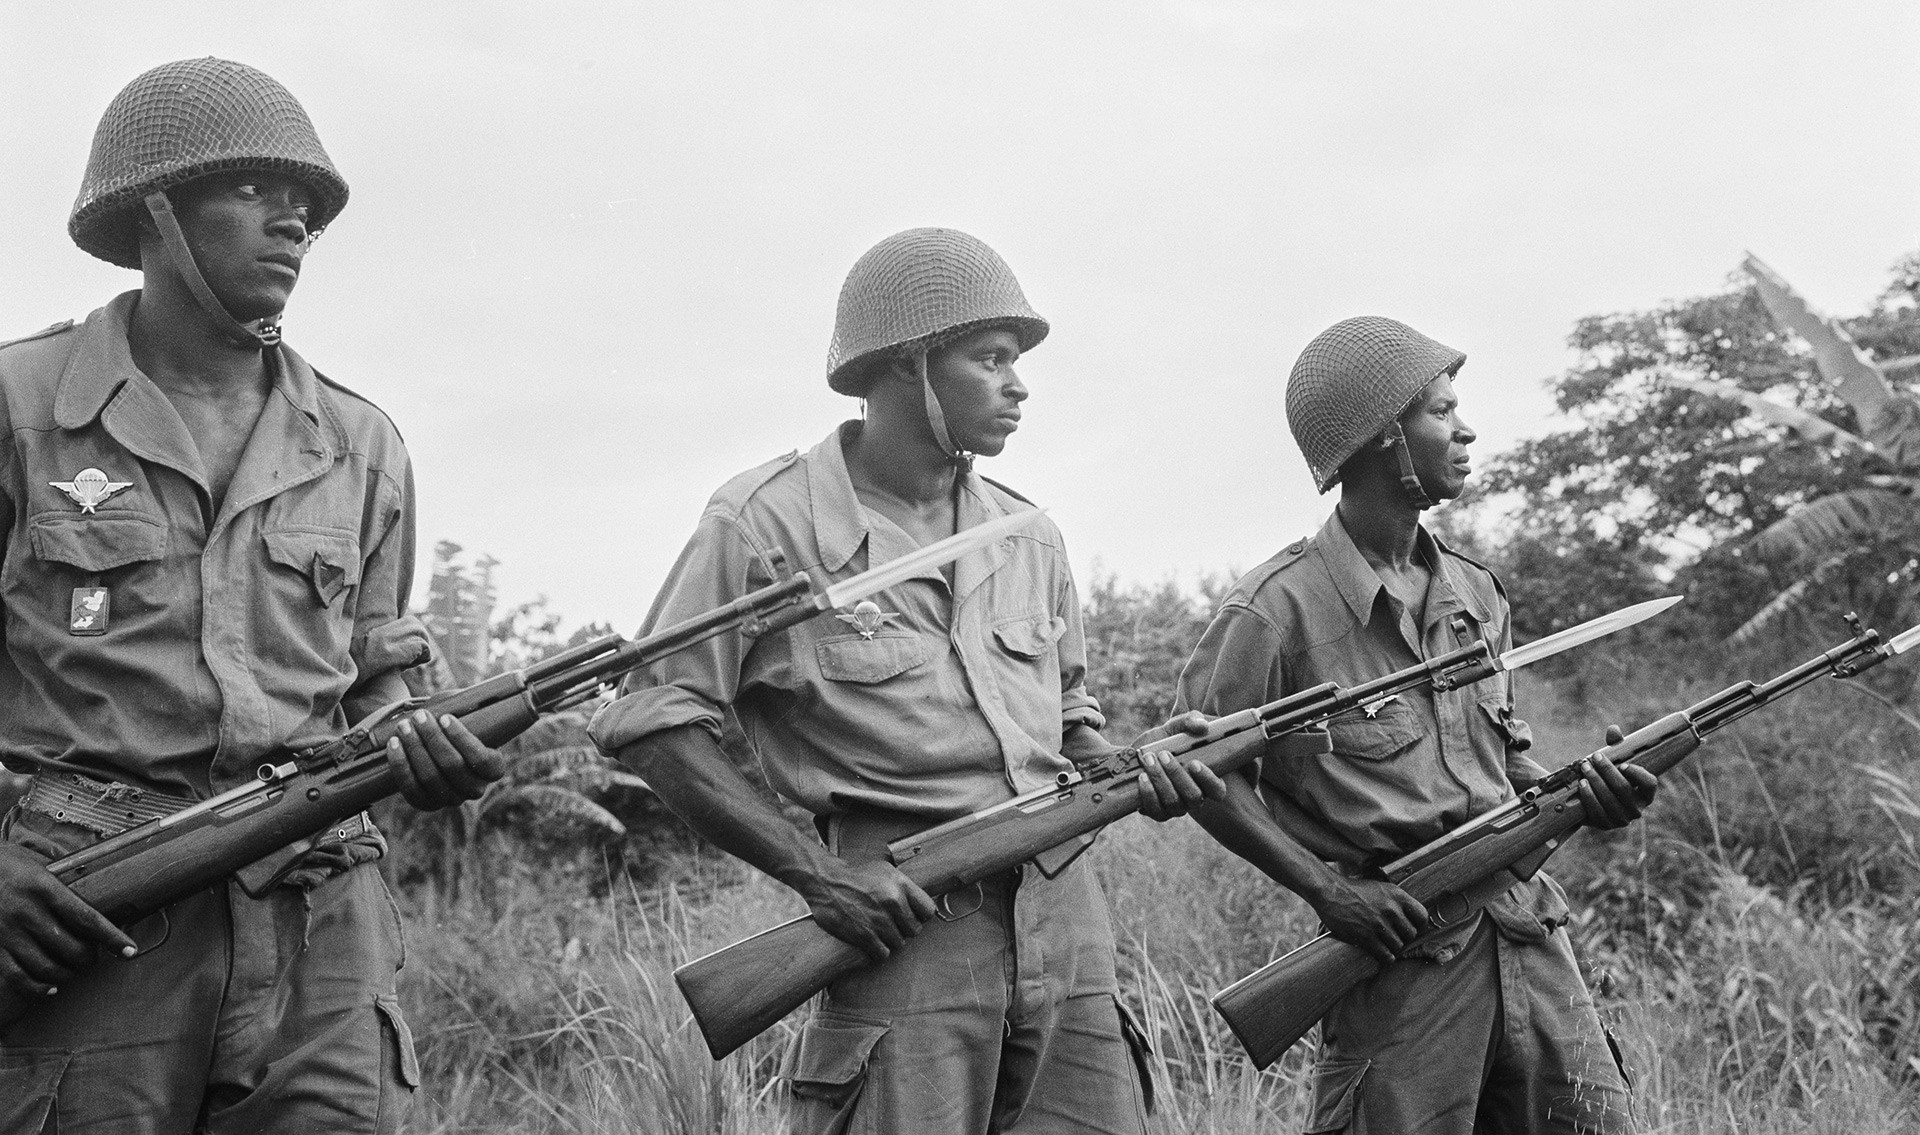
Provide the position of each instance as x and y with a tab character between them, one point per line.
47	934
870	905
1614	795
1169	788
439	763
1376	916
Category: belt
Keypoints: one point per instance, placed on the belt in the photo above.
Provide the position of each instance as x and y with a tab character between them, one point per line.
102	807
108	808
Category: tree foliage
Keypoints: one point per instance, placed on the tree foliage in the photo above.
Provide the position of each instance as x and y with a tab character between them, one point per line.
1653	479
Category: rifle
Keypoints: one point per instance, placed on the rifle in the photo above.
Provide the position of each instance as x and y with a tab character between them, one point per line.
739	991
1471	866
297	796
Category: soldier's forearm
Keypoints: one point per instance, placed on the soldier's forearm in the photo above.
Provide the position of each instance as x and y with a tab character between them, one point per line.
696	778
1242	824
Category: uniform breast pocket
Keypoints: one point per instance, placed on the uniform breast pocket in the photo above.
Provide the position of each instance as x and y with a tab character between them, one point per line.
867	661
1029	637
326	562
1392	730
122	552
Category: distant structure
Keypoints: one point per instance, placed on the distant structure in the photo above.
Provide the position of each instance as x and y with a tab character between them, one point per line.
460	612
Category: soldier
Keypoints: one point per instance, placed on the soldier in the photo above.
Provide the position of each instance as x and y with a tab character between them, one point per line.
207	550
996	1008
1486	1027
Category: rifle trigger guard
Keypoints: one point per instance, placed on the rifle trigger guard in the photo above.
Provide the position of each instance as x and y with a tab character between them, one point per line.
944	907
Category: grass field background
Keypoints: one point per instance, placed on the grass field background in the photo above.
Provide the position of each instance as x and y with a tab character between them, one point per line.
1753	943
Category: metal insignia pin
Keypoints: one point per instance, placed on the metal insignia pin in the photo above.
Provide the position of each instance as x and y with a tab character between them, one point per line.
867	618
89	488
1372	709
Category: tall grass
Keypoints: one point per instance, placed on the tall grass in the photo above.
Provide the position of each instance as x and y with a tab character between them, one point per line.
1753	942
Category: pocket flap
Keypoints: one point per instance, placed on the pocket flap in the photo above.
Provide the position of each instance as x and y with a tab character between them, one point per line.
832	1049
1393	728
402	1038
100	542
1336	1088
1030	635
1518	734
331	560
853	658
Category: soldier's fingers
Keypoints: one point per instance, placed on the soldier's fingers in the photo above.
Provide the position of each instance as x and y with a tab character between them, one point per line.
1645	784
920	902
1192	722
461	780
427	772
49	961
481	761
402	769
14	978
1599	815
1626	802
87	923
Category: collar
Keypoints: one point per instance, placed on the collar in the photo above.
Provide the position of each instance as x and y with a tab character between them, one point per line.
102	363
1360	586
840	523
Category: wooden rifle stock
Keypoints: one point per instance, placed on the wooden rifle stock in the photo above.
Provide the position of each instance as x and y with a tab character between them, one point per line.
258	829
740	990
1458	874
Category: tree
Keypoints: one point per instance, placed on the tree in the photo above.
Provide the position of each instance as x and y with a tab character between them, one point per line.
1655	485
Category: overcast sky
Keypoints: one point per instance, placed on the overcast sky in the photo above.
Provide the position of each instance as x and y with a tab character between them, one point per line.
591	257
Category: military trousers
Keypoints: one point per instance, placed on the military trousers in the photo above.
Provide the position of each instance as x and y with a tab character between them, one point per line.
1002	1016
240	1015
1501	1038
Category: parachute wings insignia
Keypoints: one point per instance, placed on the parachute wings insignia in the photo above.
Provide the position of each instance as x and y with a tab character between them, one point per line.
867	618
89	488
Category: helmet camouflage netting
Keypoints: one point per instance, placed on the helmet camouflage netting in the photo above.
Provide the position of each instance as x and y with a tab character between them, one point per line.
1353	381
184	120
918	286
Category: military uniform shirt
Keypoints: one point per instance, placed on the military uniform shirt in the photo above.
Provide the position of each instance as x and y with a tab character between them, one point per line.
226	636
1400	773
958	698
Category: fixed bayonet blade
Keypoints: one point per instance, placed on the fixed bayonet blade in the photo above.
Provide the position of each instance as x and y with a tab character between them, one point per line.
1904	641
1586	632
875	580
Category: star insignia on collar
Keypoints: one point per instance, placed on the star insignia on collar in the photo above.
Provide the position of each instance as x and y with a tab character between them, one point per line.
867	618
90	487
1372	709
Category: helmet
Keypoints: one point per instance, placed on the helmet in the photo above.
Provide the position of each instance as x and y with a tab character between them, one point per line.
915	286
183	120
1353	382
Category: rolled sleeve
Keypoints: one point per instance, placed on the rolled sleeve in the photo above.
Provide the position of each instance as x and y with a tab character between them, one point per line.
692	686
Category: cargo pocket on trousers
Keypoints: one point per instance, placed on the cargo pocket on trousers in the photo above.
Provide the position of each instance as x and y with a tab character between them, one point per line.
29	1083
1140	1048
827	1068
1336	1092
407	1062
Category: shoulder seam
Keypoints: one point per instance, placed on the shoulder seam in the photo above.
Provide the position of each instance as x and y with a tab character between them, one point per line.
43	333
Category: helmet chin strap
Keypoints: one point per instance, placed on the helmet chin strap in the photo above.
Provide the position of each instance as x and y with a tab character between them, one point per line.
263	334
937	418
1396	440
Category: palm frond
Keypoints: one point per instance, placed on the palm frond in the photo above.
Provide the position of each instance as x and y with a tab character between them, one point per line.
553	812
1840	361
1838	520
1767	617
554	762
1810	426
